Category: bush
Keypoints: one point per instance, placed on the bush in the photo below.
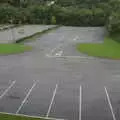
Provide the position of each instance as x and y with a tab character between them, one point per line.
31	15
40	15
99	17
53	20
7	13
80	17
113	24
35	14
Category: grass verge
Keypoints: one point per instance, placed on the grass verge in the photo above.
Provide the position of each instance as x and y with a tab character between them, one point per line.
17	117
6	49
36	35
109	49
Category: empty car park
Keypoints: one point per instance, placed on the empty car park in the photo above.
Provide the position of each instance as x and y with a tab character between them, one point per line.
54	80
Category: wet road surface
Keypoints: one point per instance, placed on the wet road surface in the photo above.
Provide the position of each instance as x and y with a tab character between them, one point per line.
54	80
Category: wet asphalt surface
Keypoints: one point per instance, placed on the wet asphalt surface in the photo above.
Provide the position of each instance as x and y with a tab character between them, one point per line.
16	33
53	62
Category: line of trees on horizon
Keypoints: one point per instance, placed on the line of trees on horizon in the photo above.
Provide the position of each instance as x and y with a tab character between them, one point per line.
63	12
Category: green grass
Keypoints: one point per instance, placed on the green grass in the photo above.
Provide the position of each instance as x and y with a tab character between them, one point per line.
109	49
14	117
13	48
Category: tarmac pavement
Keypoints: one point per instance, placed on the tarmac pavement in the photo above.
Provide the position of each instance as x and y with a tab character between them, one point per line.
54	80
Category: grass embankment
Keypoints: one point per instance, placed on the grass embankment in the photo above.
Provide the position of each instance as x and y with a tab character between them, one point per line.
109	49
6	49
16	117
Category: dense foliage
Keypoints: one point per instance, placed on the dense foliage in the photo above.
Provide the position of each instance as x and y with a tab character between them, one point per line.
65	12
44	15
113	23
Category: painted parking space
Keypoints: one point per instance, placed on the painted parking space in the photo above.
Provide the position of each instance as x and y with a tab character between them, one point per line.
95	104
4	85
39	101
66	103
13	96
114	96
71	86
113	86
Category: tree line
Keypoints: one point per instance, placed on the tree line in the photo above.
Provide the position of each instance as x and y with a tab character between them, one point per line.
63	12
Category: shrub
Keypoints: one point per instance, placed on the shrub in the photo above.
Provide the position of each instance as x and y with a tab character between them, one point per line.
99	17
53	20
113	24
37	14
80	17
40	15
7	13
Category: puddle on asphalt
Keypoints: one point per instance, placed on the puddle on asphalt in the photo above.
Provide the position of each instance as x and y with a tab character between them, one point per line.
13	97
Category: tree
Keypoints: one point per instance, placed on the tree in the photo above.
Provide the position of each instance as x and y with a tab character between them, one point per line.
66	2
115	5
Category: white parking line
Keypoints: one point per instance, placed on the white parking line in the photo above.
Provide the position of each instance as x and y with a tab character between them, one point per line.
52	100
80	103
26	97
4	93
111	108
